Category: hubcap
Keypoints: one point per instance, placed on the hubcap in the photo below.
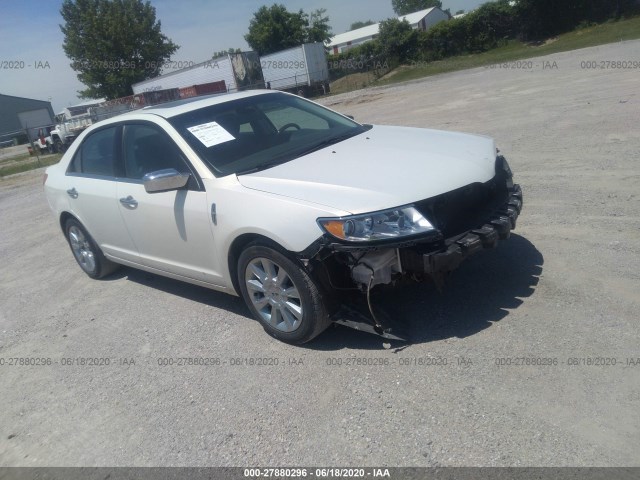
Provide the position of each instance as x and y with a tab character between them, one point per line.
273	294
82	249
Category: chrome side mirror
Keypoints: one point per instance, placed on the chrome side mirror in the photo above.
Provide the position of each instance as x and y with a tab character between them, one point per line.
165	180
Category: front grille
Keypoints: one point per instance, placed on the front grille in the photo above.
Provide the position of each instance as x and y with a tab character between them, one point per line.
465	208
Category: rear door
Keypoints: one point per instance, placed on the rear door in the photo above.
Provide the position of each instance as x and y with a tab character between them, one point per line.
91	187
171	230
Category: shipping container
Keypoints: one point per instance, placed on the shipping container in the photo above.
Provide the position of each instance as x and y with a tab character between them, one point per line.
236	72
209	88
300	69
187	92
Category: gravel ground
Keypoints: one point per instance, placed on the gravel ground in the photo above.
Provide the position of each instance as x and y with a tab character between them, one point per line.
565	286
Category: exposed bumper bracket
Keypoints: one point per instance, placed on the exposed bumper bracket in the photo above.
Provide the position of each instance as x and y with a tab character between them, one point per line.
437	265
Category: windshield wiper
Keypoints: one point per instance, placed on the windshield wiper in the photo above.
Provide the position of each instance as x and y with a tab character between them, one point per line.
264	166
326	143
318	146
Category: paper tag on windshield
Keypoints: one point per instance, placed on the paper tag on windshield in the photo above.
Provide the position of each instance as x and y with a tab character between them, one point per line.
211	134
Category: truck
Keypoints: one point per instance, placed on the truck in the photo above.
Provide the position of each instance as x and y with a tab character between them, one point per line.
301	70
238	71
72	121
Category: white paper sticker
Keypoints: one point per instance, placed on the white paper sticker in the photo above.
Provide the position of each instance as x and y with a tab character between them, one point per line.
211	134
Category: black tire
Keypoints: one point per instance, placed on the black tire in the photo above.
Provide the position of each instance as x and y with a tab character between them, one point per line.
314	318
58	146
84	249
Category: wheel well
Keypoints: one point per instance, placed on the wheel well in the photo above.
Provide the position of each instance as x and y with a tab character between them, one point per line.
239	244
63	219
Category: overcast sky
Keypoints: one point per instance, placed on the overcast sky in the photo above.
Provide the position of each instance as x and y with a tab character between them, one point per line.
30	33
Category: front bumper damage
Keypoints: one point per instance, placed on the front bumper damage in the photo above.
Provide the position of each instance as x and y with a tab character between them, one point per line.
437	264
432	257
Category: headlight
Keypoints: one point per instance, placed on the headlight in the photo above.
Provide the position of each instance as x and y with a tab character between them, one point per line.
394	223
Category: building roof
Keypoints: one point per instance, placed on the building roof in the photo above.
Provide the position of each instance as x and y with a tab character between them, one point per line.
415	17
356	34
24	98
370	30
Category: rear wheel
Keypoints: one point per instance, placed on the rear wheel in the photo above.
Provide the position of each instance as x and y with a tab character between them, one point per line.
281	295
88	255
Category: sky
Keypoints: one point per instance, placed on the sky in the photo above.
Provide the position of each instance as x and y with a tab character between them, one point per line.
33	64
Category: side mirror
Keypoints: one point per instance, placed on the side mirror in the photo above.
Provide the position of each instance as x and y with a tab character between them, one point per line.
350	116
164	180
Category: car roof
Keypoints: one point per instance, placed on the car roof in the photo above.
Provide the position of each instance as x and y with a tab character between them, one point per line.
178	107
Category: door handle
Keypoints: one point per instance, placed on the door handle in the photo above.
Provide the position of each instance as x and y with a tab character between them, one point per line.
129	202
72	192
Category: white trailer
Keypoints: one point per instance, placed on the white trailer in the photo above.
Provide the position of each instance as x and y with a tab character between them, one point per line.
301	69
239	71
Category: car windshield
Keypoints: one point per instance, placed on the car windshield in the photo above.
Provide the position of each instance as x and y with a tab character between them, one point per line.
261	131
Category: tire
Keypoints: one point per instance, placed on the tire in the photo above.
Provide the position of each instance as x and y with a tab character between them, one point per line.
58	146
281	295
84	249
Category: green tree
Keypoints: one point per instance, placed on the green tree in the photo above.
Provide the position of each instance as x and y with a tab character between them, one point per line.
404	7
229	51
544	18
113	44
318	29
397	39
356	25
275	28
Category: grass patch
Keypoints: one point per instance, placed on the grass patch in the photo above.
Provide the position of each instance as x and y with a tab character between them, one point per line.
26	163
609	32
355	81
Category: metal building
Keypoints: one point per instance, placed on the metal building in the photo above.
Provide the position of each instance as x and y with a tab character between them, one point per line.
18	114
422	20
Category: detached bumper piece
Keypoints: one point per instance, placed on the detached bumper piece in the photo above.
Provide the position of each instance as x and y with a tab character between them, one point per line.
351	317
498	227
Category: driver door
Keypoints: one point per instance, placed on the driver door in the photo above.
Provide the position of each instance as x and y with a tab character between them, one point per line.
172	230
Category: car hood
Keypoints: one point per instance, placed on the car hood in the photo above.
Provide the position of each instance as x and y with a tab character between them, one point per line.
381	168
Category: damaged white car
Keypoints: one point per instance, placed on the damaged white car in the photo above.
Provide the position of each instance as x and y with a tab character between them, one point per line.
291	205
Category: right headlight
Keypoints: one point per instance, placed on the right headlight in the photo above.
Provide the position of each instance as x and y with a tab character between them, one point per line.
383	225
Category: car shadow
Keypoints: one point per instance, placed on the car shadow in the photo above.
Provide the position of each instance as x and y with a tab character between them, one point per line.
195	293
479	293
476	295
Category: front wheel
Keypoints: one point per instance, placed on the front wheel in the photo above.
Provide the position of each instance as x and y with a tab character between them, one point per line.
281	295
58	146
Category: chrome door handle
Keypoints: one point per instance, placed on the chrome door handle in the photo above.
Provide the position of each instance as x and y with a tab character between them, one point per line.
129	202
72	192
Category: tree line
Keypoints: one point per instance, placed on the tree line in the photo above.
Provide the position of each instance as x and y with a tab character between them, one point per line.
489	26
113	44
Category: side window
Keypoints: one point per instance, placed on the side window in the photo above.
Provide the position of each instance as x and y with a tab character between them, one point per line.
148	149
96	154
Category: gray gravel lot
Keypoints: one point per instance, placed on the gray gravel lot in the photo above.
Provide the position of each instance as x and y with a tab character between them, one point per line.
567	285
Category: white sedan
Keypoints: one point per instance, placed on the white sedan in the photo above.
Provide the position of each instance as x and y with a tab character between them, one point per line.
263	194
